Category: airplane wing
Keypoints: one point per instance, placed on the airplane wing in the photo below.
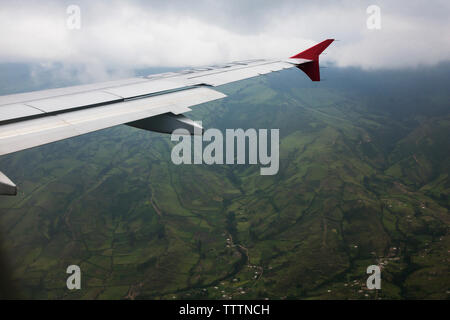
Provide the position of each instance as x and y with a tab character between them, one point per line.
156	103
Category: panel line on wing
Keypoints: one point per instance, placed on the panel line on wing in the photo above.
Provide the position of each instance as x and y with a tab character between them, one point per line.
30	133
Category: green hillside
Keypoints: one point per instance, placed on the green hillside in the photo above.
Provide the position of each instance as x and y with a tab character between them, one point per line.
363	180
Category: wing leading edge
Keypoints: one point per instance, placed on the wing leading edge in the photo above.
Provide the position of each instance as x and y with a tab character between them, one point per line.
155	103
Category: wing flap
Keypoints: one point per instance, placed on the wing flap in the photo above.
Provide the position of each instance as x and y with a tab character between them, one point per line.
74	101
145	88
51	93
14	111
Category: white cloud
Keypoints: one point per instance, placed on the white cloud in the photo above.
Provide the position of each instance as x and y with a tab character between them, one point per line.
138	34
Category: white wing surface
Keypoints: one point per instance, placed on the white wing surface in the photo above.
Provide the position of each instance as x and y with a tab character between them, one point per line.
35	118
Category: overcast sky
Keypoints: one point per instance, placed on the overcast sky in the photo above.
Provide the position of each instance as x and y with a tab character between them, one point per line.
119	34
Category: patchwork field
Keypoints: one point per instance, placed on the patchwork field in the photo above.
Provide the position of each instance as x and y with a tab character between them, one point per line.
363	180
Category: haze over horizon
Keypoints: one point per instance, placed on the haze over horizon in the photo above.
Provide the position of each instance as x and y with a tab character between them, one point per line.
138	34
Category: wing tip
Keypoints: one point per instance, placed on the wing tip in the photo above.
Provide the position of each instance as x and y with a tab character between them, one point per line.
311	68
314	52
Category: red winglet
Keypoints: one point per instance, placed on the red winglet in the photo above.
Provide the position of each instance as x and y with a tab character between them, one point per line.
312	68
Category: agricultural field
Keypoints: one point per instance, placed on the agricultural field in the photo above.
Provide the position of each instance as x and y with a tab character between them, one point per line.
363	180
